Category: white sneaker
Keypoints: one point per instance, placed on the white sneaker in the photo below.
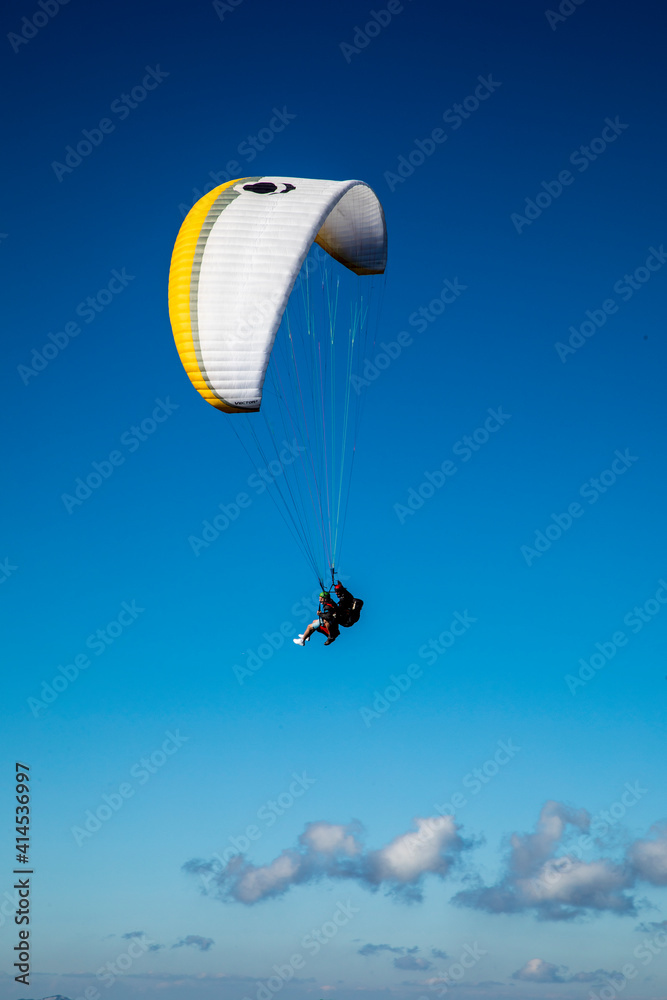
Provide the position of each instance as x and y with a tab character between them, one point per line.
300	641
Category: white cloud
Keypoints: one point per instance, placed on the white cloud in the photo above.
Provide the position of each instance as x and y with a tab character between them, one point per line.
335	851
536	970
411	855
557	888
649	857
330	838
412	963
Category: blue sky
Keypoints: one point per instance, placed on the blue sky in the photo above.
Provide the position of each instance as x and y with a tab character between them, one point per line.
153	729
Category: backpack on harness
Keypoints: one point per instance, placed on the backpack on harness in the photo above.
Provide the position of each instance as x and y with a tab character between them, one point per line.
352	616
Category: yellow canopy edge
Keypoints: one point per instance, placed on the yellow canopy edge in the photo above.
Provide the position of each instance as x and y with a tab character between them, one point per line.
180	277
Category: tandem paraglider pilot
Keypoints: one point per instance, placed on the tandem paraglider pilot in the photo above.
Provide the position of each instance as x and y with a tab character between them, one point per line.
331	616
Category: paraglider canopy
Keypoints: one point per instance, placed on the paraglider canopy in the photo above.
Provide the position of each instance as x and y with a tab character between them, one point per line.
235	262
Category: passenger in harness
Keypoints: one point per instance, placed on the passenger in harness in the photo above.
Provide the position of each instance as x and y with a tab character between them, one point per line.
326	622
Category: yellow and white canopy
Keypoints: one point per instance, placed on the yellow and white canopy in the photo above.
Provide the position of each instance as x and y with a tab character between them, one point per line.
235	262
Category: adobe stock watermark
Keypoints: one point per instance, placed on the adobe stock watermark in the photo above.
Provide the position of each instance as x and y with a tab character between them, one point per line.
248	149
317	259
430	651
9	906
625	288
465	448
225	7
121	107
478	777
258	482
645	952
312	943
110	972
566	8
267	814
474	781
591	490
130	440
364	35
112	802
601	823
7	570
420	320
303	611
580	158
454	118
88	310
605	651
262	310
456	971
98	642
31	26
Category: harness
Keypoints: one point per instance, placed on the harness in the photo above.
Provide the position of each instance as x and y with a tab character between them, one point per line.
327	611
345	614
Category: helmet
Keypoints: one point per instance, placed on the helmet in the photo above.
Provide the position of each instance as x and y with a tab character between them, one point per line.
323	595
